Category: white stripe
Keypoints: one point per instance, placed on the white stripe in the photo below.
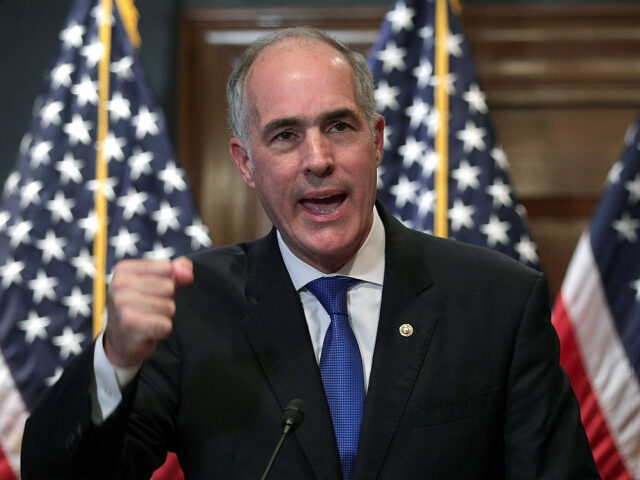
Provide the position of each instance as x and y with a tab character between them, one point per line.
612	377
13	415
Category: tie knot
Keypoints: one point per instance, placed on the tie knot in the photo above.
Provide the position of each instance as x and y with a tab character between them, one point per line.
331	292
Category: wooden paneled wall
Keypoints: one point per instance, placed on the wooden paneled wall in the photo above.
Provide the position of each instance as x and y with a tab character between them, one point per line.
563	85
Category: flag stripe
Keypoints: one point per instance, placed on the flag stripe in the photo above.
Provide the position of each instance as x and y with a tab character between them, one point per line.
13	416
613	379
608	460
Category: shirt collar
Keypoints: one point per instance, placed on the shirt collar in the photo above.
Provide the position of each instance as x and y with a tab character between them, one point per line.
367	264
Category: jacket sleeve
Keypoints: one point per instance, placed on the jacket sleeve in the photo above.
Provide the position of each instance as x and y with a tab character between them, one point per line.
544	436
61	442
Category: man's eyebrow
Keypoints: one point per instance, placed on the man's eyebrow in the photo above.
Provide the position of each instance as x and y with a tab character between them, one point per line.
281	122
340	113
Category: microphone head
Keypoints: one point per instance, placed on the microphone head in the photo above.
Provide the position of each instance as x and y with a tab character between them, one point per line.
293	414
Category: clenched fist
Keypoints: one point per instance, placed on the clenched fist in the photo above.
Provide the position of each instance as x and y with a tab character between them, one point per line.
140	307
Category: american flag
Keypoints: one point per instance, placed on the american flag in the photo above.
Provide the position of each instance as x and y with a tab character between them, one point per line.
597	316
48	221
482	207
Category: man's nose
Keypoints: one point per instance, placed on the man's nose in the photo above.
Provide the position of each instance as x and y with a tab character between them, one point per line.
318	154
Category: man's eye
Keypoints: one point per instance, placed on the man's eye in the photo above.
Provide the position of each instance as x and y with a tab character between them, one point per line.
283	136
340	126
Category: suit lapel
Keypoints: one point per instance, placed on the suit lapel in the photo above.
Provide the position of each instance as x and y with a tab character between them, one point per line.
397	359
277	331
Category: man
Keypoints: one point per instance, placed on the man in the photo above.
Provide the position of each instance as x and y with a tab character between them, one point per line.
456	352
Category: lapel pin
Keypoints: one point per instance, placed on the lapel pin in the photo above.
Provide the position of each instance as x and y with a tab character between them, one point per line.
406	330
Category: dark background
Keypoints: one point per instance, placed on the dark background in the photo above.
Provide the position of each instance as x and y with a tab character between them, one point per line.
29	41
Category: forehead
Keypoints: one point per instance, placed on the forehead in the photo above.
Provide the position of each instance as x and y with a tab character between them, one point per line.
299	72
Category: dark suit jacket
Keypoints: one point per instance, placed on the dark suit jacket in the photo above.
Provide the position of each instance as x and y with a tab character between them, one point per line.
475	392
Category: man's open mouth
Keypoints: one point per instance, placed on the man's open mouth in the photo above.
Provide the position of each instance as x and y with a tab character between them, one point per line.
323	205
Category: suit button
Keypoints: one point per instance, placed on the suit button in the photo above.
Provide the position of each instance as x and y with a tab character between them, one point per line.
406	330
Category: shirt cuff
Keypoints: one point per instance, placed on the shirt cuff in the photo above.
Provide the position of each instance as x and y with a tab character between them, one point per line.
106	389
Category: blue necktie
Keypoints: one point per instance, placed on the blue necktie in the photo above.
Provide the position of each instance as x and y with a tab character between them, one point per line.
341	368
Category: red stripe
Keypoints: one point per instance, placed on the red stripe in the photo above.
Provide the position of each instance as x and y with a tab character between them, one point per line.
6	472
608	460
169	471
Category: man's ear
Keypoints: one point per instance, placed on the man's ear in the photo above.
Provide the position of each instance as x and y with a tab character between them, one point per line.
242	161
379	129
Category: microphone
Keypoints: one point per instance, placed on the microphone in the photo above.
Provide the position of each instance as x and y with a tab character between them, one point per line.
292	417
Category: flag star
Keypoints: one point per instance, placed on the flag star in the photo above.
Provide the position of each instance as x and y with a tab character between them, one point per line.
112	147
122	68
199	234
430	162
404	191
34	327
19	232
51	246
89	225
411	151
614	174
119	107
69	169
107	187
60	207
426	32
449	82
50	113
139	163
25	143
453	44
30	193
386	96
636	286
466	176
84	265
40	153
166	217
423	73
417	112
526	250
4	219
43	287
61	75
471	137
630	134
386	134
501	193
72	35
125	243
626	228
78	130
392	57
400	17
159	252
633	187
433	121
498	155
11	272
52	380
11	183
132	203
476	99
380	171
145	123
69	342
460	215
172	177
426	202
86	91
496	231
78	303
93	52
100	15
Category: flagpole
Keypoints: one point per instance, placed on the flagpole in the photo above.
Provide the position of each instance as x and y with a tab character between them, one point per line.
442	106
100	238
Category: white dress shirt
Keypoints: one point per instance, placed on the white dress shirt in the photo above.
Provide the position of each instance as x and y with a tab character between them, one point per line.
363	303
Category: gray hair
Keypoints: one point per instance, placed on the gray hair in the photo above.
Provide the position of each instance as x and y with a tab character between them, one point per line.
240	112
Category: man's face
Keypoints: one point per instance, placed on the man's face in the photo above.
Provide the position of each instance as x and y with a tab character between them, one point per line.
314	156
